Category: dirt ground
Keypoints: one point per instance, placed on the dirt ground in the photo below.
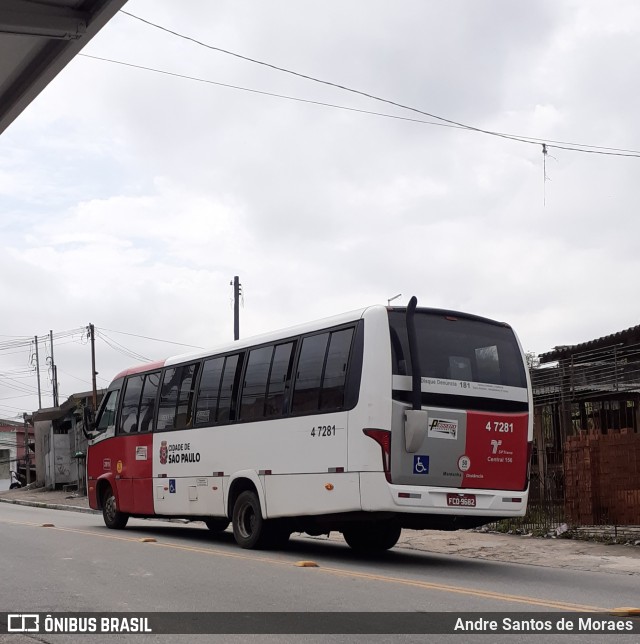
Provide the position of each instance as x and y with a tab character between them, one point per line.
554	552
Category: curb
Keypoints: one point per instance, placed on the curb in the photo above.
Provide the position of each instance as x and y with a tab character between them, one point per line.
50	506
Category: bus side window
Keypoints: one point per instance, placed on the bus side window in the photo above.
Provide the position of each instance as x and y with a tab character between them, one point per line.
107	417
168	400
335	371
186	392
207	404
148	401
306	395
229	388
176	397
254	389
130	405
277	398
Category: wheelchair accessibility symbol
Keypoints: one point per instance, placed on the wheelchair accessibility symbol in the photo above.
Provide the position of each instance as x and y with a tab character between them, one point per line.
172	486
421	464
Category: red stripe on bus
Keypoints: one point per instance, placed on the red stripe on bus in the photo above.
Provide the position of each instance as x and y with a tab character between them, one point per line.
150	366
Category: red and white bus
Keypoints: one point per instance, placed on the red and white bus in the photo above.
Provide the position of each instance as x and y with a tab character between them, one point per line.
365	423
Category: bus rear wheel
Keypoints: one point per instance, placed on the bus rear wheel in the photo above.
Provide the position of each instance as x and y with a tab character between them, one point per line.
113	518
250	530
372	538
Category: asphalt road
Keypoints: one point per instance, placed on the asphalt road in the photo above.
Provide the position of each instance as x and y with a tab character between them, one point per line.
78	565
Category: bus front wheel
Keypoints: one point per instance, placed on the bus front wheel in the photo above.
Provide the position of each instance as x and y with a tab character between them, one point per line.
113	518
372	538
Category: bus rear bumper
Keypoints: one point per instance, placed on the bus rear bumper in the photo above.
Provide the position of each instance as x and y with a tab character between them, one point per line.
377	495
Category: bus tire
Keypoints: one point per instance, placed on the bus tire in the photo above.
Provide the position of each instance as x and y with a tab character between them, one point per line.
216	524
113	518
250	530
372	538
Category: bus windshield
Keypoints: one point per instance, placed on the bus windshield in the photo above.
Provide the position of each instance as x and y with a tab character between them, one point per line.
456	347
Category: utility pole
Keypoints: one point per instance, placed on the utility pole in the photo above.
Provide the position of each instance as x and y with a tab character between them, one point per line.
54	372
236	307
94	373
35	339
27	455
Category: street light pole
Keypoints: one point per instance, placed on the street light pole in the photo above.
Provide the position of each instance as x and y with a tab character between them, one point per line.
395	297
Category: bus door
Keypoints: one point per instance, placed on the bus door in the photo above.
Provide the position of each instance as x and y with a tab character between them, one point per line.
132	451
99	457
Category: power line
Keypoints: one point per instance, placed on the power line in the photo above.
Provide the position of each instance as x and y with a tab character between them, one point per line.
27	342
532	140
120	348
70	375
560	145
273	94
144	337
14	397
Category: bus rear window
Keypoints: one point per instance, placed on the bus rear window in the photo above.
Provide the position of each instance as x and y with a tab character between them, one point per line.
458	348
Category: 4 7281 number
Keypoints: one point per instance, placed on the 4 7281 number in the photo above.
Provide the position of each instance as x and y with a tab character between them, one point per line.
500	427
324	430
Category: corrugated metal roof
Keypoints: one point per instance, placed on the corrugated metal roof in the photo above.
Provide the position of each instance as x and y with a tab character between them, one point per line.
628	336
37	40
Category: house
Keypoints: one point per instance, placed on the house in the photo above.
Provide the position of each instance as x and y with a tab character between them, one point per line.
13	449
60	444
587	429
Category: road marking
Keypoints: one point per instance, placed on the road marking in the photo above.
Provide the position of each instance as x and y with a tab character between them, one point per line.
624	611
343	572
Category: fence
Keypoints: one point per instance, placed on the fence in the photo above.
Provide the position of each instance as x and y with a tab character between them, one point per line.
545	511
596	493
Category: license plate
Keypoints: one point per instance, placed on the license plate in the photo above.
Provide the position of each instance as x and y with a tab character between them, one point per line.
462	500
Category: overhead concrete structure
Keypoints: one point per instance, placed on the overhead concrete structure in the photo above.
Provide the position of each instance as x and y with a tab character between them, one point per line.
37	40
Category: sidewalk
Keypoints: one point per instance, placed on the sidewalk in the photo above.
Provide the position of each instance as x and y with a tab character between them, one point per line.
555	553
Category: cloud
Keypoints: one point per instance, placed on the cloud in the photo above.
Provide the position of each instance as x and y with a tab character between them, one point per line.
131	199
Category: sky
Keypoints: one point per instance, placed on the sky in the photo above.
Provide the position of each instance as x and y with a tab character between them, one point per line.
130	198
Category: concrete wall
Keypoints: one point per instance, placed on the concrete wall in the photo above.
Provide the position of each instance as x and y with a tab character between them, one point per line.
55	462
42	429
8	455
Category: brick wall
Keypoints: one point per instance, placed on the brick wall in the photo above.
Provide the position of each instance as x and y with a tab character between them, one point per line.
602	478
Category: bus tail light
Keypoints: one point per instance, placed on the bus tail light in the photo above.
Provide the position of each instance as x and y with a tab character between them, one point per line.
383	438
